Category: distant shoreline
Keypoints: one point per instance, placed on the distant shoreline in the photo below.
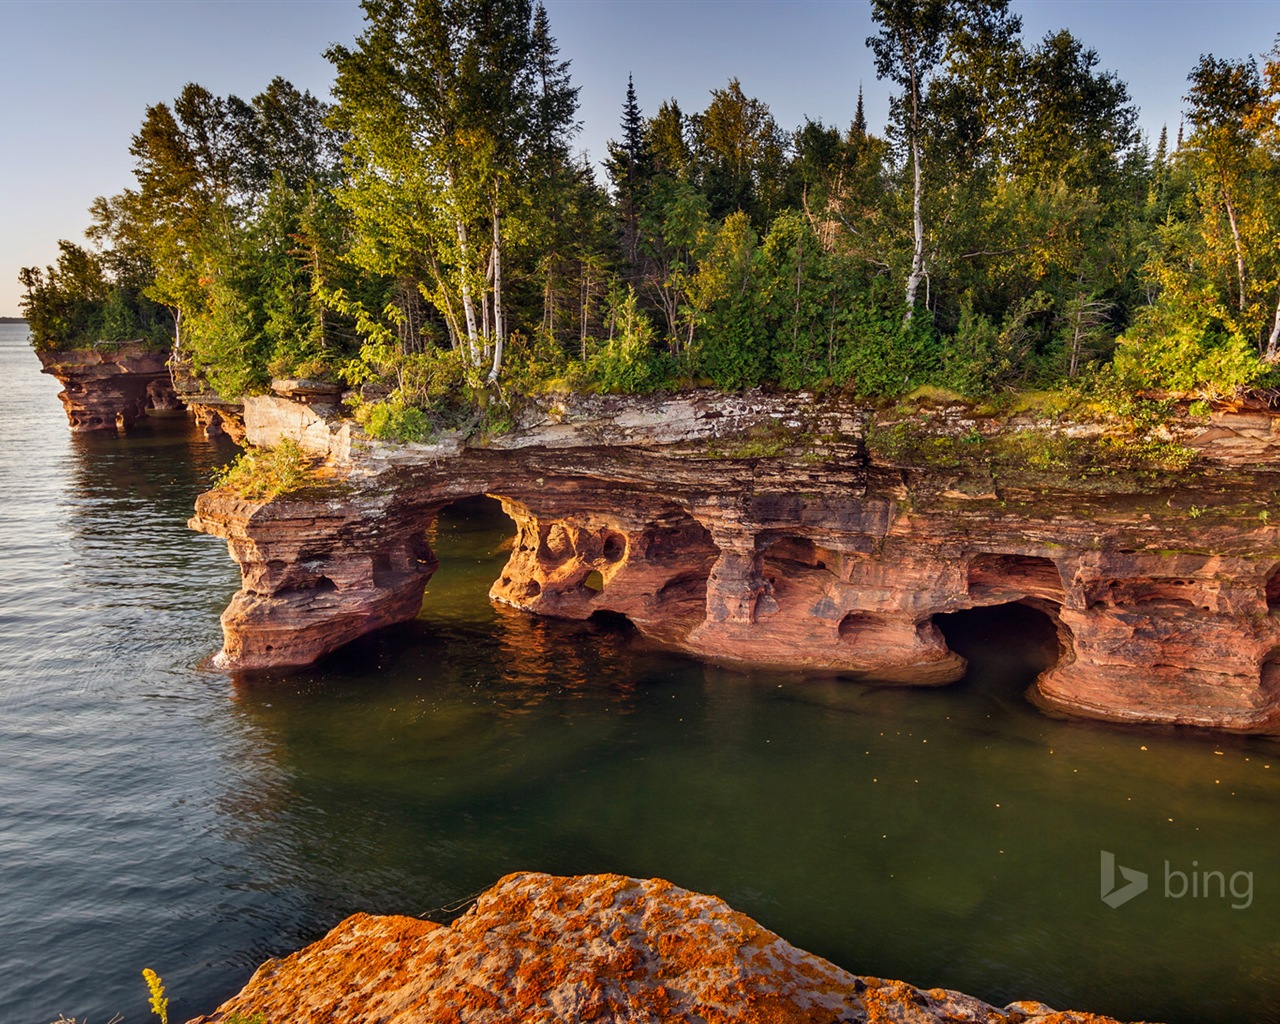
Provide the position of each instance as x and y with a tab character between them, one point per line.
13	320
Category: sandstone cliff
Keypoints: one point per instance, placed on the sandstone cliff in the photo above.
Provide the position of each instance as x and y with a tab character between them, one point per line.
597	948
779	530
110	387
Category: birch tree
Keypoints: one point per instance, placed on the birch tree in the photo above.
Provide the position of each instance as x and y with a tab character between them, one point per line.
916	39
442	101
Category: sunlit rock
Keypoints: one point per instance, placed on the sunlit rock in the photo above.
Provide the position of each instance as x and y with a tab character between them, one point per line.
766	530
110	387
541	949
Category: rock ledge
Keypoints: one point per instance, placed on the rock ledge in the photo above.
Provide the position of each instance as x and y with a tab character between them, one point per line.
593	948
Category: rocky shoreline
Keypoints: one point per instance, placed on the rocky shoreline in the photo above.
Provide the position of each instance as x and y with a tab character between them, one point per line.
541	949
111	387
775	529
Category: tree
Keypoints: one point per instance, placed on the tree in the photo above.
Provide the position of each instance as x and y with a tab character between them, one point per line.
911	44
629	169
442	104
741	152
1224	98
914	39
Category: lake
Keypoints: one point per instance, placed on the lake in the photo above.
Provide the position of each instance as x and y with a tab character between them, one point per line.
156	814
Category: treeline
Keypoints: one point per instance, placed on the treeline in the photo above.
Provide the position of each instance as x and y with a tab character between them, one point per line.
429	237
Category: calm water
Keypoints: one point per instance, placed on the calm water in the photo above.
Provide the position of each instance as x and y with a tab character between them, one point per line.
152	814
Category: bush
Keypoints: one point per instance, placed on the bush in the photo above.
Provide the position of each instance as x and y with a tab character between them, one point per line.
267	472
393	420
1188	344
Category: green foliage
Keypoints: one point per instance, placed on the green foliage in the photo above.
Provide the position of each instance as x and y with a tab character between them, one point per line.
431	241
265	473
80	302
392	420
1036	453
628	362
1190	345
981	358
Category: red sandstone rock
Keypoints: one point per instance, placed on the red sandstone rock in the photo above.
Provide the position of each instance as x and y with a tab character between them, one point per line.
214	414
110	387
538	949
819	556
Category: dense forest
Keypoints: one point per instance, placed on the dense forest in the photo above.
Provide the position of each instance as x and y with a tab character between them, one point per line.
429	239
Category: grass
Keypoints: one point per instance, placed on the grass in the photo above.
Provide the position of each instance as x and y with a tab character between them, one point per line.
1017	452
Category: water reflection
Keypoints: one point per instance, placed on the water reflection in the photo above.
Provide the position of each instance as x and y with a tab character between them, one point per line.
950	836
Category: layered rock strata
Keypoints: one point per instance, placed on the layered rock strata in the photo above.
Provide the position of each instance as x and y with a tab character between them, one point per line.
596	948
772	530
215	415
110	387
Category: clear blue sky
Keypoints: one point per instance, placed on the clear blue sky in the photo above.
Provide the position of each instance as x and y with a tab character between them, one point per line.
77	75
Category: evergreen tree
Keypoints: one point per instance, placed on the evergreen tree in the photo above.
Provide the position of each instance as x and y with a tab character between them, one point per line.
629	170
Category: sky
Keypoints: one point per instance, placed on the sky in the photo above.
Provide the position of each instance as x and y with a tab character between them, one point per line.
76	76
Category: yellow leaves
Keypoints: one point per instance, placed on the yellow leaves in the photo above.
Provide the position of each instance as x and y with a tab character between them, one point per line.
159	1003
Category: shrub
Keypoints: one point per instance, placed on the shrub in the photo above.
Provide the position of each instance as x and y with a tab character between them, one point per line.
393	420
267	472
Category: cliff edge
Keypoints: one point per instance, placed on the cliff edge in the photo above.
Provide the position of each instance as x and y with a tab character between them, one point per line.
784	530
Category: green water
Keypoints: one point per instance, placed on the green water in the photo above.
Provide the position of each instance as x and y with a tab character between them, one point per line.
950	837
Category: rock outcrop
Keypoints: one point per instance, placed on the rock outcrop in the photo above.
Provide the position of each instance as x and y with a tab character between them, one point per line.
774	530
597	948
111	386
215	415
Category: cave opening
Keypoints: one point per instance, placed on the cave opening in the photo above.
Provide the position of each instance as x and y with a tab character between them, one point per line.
472	539
1007	645
612	622
1272	589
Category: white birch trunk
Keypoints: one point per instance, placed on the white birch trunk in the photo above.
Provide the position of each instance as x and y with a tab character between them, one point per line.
499	329
917	256
468	306
1273	343
917	197
1235	236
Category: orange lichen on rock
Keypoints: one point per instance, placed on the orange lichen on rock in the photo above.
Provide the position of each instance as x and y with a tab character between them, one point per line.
605	948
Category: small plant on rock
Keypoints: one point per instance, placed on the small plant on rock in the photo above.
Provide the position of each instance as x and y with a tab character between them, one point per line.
159	1001
267	472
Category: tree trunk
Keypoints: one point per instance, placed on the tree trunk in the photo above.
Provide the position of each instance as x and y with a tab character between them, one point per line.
1235	237
499	329
917	223
468	307
443	293
1273	343
586	308
917	197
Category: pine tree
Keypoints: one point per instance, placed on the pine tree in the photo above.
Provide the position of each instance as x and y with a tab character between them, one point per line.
859	118
627	166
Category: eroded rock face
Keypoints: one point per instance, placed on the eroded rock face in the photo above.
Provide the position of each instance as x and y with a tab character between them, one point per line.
112	387
596	948
771	535
316	575
216	416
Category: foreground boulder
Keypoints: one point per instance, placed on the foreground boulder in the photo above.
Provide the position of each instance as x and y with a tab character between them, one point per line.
540	949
